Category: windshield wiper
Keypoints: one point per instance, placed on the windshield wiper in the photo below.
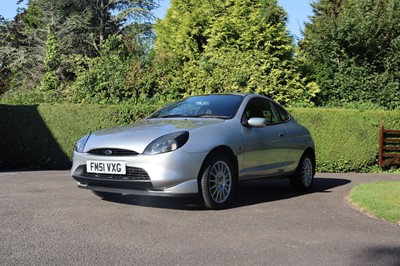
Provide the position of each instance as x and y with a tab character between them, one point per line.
196	116
168	116
211	116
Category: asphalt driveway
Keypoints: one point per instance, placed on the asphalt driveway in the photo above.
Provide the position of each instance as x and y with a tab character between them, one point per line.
47	220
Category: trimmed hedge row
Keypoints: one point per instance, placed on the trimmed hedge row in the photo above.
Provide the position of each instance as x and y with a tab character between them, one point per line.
43	136
346	140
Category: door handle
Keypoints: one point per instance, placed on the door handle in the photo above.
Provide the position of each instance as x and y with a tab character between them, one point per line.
281	135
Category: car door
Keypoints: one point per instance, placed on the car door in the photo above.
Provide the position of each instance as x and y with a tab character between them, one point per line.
264	149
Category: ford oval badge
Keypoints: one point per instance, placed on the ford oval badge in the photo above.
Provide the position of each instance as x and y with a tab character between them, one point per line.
108	152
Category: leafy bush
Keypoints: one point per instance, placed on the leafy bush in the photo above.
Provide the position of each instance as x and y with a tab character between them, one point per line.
117	75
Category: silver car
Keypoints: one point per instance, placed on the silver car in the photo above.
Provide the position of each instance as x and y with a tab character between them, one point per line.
202	145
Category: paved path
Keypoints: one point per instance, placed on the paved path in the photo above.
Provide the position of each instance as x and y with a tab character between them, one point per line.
47	220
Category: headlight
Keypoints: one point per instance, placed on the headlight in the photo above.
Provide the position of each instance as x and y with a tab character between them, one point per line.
80	145
167	143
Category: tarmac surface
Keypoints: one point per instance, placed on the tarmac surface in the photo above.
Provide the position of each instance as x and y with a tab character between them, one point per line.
47	220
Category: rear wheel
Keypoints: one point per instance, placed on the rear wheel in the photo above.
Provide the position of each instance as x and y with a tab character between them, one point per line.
218	182
303	178
106	195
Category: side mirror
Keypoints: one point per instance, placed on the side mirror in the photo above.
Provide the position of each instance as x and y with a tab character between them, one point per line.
256	122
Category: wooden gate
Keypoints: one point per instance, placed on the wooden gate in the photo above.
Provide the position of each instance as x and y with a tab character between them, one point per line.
389	147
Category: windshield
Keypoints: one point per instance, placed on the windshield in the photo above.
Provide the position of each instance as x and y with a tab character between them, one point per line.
215	106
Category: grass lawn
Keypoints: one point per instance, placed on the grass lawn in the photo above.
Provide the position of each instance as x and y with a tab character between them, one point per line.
380	199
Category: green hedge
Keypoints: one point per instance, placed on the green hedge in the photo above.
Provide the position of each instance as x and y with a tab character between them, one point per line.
346	140
43	136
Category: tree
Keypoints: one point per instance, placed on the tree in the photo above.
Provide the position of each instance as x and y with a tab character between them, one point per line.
79	29
5	51
353	49
220	46
118	74
51	63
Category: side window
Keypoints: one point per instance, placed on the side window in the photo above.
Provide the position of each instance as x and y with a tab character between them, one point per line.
283	114
259	107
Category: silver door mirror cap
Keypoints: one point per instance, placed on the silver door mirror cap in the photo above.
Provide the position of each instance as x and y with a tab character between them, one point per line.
256	122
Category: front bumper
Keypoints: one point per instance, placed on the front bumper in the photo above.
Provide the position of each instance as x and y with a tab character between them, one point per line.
169	174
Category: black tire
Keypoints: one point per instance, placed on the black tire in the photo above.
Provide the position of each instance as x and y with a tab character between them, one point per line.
106	195
303	178
218	180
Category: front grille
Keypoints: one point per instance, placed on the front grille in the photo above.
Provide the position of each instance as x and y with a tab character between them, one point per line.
132	173
113	152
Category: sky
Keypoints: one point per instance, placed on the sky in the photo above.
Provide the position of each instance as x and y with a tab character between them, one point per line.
298	12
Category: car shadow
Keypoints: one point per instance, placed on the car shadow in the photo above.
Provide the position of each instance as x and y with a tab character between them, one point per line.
248	194
378	255
280	189
177	203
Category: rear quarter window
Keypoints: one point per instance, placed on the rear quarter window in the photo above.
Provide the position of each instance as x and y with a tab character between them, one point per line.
283	114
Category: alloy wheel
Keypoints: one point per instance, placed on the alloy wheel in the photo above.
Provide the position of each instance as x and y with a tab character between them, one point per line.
220	182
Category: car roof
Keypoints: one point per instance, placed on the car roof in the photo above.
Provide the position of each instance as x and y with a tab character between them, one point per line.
235	93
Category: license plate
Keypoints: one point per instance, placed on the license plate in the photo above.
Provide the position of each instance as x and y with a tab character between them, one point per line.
104	167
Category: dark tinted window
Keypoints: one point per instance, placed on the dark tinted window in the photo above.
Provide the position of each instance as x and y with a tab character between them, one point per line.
221	106
283	114
260	107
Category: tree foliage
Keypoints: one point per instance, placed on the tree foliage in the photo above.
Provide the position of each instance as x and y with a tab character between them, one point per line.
118	74
106	51
79	29
220	46
353	48
51	63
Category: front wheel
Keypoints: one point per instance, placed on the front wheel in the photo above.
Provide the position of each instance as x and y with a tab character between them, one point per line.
303	178
218	182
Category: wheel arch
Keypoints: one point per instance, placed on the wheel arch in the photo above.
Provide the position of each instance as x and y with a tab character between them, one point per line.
220	153
223	149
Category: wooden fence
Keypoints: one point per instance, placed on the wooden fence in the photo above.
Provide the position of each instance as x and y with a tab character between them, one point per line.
389	147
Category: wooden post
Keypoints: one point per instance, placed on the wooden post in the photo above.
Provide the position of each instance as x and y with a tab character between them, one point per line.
381	143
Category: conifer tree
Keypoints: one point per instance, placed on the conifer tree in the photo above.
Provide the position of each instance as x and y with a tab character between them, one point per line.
230	45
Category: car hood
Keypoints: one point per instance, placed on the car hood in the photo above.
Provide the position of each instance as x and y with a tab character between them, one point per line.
137	136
